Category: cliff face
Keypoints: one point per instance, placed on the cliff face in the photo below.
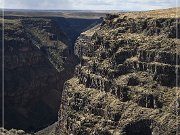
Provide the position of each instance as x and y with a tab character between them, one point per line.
127	82
38	60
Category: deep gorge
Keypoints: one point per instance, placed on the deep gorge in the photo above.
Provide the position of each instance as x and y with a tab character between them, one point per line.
39	58
115	76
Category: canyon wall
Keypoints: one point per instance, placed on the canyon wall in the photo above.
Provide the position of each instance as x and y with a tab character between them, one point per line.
38	60
127	82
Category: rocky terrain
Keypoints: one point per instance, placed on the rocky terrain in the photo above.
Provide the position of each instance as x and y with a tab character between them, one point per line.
38	60
12	132
127	82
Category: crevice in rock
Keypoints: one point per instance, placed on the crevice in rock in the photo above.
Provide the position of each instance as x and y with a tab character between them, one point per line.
142	127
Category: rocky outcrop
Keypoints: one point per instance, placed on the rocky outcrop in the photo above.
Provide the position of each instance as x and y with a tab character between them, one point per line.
127	82
12	132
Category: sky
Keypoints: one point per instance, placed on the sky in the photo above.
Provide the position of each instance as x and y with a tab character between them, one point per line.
130	5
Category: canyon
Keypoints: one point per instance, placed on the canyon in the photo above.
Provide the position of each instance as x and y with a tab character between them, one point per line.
38	59
116	76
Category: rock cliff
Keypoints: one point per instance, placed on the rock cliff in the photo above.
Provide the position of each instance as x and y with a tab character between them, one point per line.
127	82
38	60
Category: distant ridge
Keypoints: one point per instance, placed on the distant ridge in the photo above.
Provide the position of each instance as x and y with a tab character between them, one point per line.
86	14
82	11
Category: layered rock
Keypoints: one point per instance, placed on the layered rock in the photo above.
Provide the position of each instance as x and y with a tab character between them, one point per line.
30	75
38	60
128	80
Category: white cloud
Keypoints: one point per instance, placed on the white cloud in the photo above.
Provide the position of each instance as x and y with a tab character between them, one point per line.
1	3
90	4
146	4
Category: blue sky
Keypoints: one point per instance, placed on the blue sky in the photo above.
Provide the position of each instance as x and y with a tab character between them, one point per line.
89	4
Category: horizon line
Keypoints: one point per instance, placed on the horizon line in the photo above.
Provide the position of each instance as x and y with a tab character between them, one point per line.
60	9
81	9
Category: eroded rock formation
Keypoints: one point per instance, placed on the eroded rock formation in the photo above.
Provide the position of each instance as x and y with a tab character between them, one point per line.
127	82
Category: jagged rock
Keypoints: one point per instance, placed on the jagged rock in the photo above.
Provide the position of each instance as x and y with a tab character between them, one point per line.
12	132
127	82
